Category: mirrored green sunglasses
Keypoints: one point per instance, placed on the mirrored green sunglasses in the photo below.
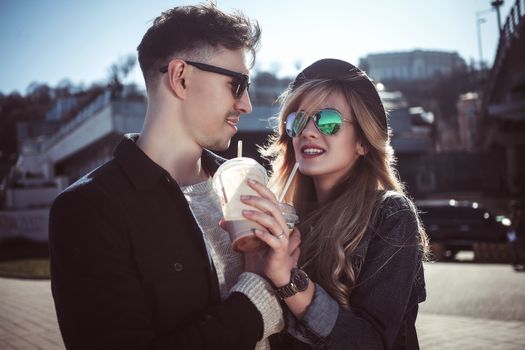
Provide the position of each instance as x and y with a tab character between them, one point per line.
327	121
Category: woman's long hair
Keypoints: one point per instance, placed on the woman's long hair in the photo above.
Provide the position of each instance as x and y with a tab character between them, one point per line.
337	226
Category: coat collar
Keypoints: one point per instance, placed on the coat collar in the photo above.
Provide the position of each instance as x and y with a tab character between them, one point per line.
142	171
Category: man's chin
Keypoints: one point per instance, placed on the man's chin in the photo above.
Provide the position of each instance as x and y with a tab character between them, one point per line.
219	146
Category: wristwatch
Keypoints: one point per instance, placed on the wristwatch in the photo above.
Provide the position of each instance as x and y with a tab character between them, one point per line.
298	283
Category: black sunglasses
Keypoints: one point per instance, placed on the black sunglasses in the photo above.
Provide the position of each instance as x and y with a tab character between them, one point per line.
328	121
240	81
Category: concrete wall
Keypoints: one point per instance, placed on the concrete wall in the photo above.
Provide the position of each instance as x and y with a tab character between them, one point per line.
18	198
82	136
31	224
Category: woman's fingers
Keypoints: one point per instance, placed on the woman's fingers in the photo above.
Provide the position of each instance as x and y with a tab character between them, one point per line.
278	262
265	220
262	190
294	240
260	203
265	206
273	241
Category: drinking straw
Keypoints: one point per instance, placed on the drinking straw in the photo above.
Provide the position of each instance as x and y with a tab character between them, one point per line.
239	148
288	182
222	188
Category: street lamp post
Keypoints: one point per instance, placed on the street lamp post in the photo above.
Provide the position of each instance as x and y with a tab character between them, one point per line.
497	4
480	20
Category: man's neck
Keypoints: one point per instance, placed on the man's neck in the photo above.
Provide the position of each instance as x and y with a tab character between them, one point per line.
167	146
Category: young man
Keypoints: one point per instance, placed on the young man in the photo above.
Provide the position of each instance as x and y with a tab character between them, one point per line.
138	260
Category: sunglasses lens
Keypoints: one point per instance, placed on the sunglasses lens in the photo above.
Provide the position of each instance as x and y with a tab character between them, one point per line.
239	86
290	124
236	88
328	121
295	123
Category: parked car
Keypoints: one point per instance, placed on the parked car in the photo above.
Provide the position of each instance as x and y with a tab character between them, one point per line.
458	225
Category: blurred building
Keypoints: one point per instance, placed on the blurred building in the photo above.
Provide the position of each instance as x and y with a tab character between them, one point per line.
83	138
392	99
503	104
469	110
49	162
62	106
411	65
412	140
266	88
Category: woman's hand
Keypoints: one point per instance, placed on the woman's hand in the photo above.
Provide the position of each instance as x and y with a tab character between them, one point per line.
277	260
282	253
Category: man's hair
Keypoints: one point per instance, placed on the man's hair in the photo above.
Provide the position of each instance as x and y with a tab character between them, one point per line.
188	29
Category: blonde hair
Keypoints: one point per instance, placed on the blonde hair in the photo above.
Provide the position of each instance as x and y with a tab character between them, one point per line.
338	225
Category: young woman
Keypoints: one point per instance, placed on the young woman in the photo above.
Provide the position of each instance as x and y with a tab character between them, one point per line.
362	245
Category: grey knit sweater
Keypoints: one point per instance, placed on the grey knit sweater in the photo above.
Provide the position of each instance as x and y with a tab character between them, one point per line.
205	205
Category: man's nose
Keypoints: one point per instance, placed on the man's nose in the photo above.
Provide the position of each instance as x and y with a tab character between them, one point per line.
244	105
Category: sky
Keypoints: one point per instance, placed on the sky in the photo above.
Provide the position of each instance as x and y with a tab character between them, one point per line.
46	41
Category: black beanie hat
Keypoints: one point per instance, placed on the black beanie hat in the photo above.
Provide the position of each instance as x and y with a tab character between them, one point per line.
338	70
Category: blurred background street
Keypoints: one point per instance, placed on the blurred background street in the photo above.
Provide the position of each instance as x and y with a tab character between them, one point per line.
485	291
469	306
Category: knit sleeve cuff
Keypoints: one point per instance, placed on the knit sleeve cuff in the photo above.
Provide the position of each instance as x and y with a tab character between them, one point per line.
261	294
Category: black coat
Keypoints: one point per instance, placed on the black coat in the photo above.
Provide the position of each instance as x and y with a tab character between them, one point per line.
129	267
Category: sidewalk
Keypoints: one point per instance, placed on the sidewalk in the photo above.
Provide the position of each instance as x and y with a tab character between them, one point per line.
468	333
28	321
27	316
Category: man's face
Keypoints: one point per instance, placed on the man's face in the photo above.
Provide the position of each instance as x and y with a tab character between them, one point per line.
212	111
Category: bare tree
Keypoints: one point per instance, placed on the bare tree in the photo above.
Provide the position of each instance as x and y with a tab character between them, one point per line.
119	71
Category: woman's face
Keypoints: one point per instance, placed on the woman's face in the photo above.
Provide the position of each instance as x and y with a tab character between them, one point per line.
327	158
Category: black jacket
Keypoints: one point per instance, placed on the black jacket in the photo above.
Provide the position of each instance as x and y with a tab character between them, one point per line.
129	267
384	302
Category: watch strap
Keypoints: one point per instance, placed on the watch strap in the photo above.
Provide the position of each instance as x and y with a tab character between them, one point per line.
292	288
286	291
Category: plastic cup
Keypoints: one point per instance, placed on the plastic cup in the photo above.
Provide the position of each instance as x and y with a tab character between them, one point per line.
230	182
289	214
242	237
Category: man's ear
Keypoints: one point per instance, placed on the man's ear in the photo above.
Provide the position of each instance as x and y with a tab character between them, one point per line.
177	75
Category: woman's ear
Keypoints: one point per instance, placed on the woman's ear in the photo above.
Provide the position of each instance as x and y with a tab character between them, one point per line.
362	149
177	75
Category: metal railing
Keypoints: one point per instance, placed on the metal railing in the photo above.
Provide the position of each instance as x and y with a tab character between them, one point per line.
100	102
508	34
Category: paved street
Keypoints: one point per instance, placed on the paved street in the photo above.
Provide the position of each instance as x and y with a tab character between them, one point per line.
27	316
470	306
486	291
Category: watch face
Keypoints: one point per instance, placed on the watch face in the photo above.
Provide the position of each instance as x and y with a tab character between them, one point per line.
300	279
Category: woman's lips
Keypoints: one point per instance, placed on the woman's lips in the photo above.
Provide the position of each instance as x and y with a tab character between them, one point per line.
311	151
